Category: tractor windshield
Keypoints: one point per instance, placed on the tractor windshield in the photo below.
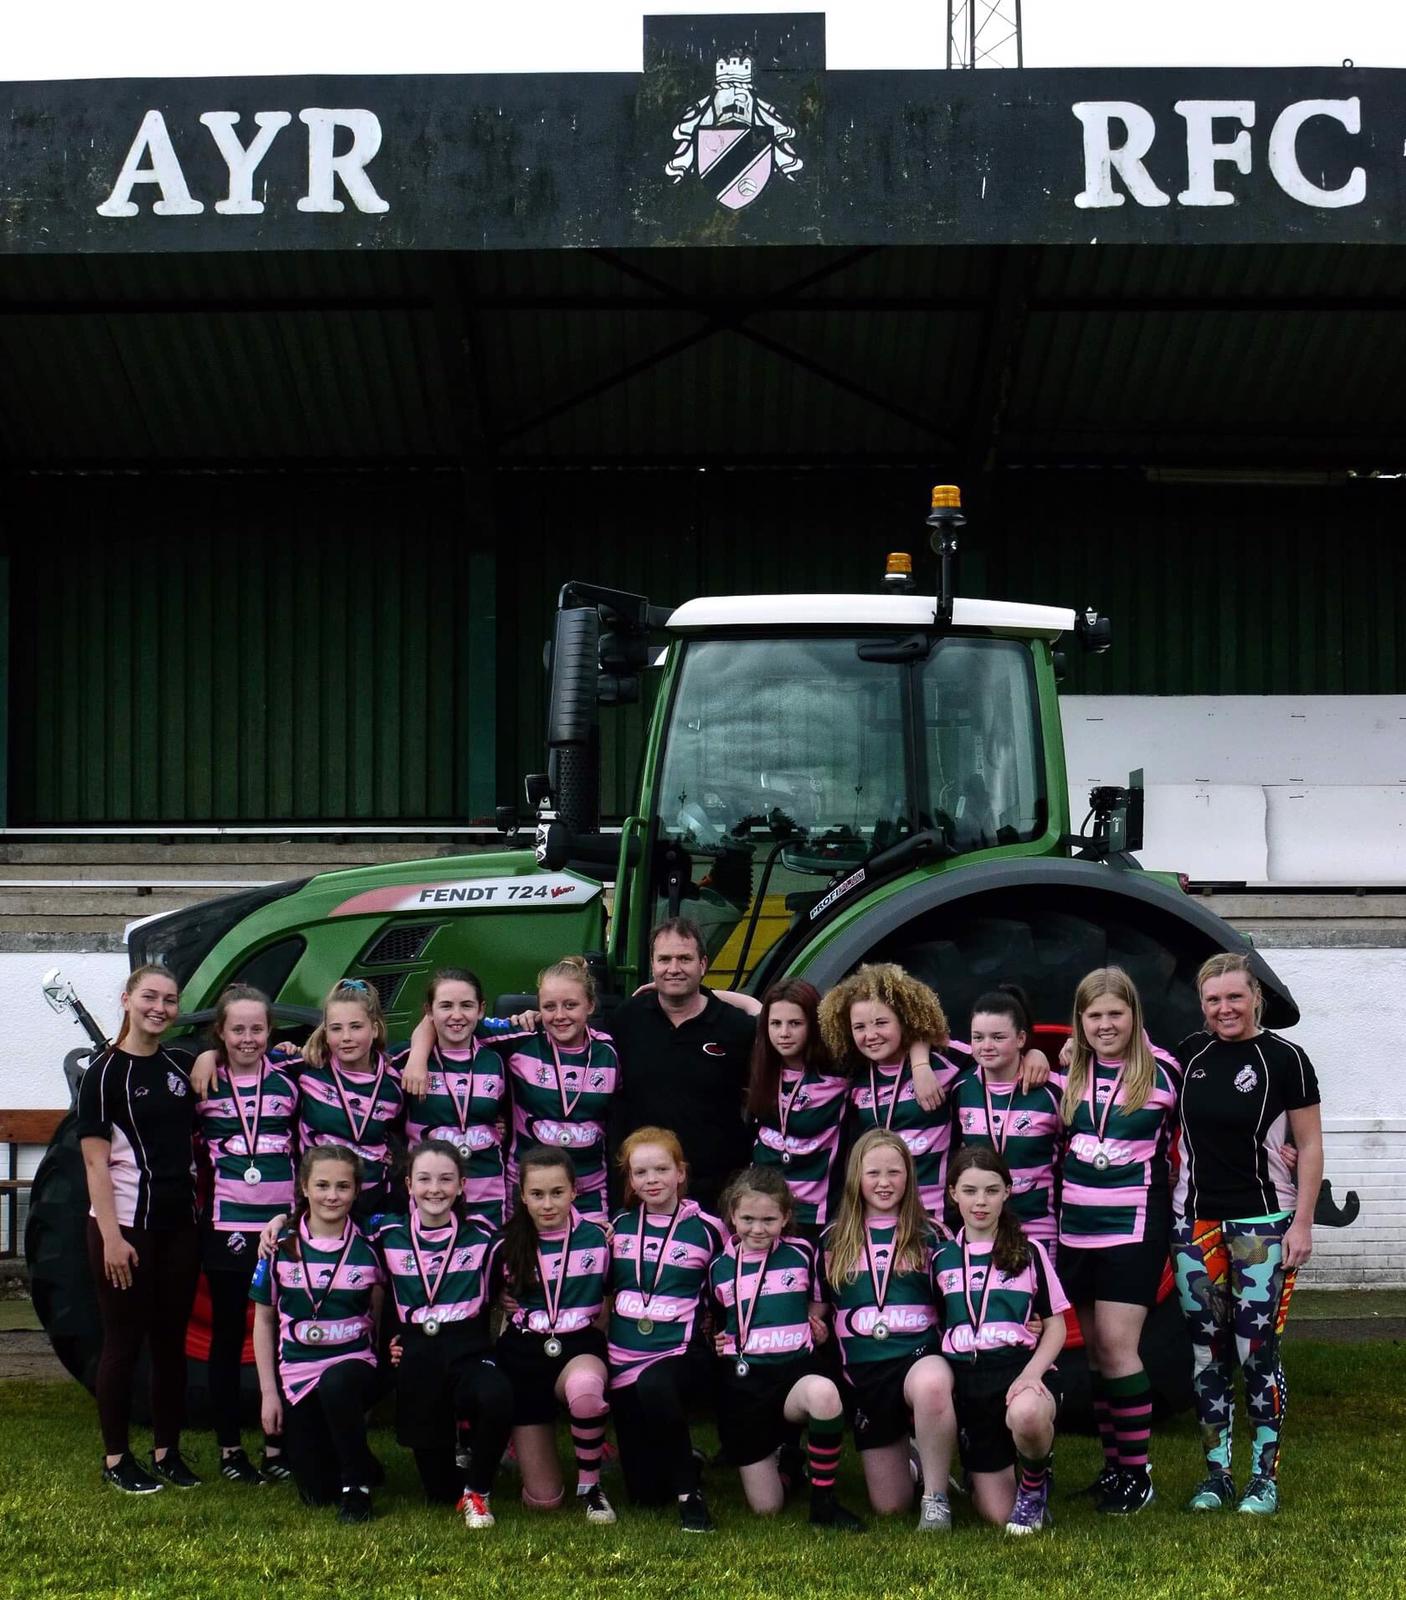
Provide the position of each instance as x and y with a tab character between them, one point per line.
789	759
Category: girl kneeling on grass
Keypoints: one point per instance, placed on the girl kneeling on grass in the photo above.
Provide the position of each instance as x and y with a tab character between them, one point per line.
662	1246
990	1281
877	1258
553	1264
319	1300
769	1318
438	1260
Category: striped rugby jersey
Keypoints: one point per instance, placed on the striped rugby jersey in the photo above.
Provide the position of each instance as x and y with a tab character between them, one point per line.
816	1106
672	1304
1099	1209
928	1134
322	1119
583	1293
145	1108
461	1295
778	1329
237	1206
477	1081
316	1332
1008	1308
1029	1124
909	1311
539	1114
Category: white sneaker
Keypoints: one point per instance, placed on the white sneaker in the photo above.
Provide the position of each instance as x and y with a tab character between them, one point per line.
935	1515
474	1508
598	1508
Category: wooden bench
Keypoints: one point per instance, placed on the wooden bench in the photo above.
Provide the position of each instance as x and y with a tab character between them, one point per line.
17	1128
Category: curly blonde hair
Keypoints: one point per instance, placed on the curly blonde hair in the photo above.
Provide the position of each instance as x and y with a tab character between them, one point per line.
917	1008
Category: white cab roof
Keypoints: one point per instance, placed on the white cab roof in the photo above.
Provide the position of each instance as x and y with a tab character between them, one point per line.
865	611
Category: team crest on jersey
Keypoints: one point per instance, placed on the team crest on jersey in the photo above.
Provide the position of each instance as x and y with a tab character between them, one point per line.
733	139
176	1084
237	1244
588	1262
1245	1080
678	1253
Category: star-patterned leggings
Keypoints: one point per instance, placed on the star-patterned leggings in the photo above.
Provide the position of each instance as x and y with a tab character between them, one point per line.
1235	1296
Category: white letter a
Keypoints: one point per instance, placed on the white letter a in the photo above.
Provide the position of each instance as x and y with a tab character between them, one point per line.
164	171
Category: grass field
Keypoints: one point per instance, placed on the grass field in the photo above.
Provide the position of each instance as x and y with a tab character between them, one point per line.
1342	1532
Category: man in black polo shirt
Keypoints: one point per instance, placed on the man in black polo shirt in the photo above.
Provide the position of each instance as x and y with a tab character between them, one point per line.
685	1057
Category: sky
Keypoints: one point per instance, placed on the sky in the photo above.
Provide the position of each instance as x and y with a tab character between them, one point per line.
172	38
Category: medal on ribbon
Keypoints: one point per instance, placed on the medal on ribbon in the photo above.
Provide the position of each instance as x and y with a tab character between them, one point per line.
879	1278
746	1309
358	1129
315	1300
645	1324
249	1126
430	1323
1100	1160
552	1290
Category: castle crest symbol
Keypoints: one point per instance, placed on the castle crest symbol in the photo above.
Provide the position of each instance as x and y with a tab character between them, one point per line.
733	139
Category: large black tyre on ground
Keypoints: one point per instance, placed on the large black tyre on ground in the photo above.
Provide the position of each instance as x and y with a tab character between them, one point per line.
61	1286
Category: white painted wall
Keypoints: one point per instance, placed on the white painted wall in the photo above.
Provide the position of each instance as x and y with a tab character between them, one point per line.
1354	1008
1287	789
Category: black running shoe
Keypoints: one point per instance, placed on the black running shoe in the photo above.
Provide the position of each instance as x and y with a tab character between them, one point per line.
175	1471
275	1468
1098	1488
693	1514
1132	1493
827	1512
238	1468
354	1506
131	1477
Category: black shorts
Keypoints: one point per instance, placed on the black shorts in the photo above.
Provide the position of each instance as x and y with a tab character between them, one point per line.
523	1358
427	1376
874	1403
1130	1274
979	1396
229	1252
751	1410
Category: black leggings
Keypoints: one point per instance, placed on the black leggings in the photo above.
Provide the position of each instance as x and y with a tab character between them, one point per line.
325	1434
430	1403
229	1309
154	1311
651	1428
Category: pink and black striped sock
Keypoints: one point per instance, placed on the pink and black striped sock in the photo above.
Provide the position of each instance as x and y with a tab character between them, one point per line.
1130	1405
824	1437
1034	1470
1103	1419
588	1439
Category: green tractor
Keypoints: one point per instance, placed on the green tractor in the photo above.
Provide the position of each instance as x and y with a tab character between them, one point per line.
826	779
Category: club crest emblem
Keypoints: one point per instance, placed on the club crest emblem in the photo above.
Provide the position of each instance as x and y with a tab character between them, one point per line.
733	139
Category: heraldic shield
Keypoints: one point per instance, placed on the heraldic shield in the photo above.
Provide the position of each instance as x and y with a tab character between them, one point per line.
735	163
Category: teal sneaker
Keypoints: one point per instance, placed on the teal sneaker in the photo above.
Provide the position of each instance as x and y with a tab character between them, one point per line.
1260	1499
1216	1492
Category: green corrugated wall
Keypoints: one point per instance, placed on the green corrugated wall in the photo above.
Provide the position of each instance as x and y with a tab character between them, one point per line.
298	648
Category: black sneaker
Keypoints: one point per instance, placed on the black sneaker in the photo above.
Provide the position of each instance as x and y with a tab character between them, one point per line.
238	1468
693	1514
175	1471
827	1512
131	1477
354	1506
1132	1493
275	1468
1098	1488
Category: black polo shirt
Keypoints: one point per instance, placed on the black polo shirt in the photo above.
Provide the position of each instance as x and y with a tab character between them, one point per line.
145	1108
691	1078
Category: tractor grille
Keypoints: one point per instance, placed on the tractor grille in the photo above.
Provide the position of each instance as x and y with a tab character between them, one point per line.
387	985
398	944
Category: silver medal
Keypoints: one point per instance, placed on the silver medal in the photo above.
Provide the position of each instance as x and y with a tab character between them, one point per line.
314	1335
466	1152
253	1175
553	1347
431	1326
742	1369
881	1330
565	1136
1100	1162
785	1158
